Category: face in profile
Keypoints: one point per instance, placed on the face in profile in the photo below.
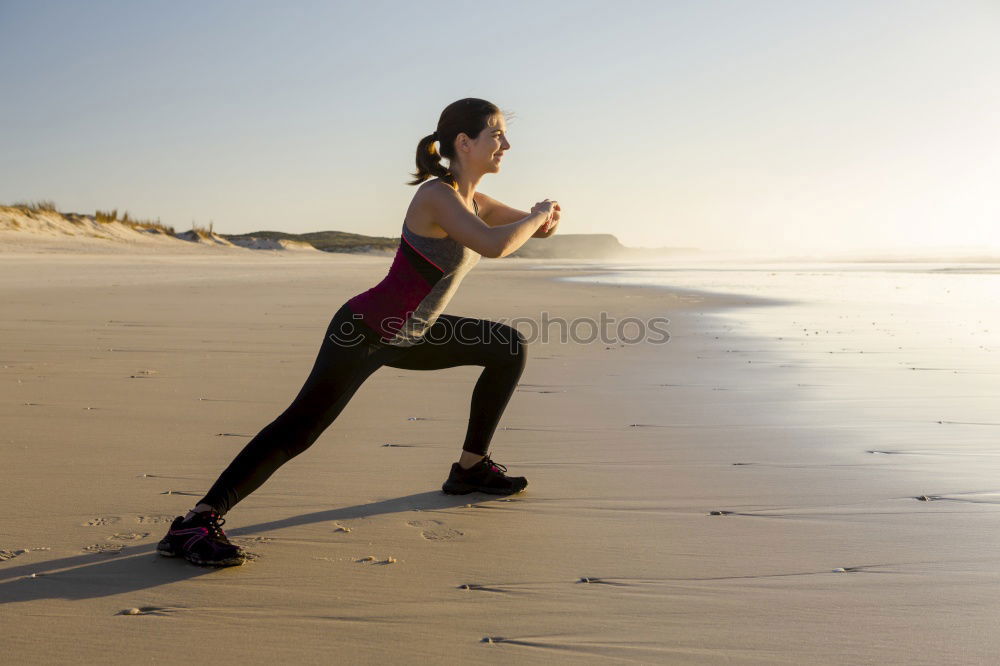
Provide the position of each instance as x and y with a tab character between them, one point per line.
489	147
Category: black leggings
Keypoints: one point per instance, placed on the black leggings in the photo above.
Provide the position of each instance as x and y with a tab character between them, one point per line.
349	354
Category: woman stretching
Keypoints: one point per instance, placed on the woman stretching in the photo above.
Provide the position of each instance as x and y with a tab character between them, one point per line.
399	323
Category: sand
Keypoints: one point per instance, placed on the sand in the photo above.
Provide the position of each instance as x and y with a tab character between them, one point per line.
689	502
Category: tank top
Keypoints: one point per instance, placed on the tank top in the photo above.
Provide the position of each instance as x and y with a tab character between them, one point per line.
424	275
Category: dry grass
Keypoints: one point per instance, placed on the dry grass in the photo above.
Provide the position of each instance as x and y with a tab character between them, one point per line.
36	206
201	230
31	208
107	217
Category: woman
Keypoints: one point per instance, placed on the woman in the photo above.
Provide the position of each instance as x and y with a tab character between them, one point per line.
399	323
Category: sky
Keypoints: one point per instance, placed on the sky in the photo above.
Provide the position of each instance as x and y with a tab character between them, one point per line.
762	126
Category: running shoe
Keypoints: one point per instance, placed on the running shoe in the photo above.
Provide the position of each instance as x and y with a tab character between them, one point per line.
485	476
201	541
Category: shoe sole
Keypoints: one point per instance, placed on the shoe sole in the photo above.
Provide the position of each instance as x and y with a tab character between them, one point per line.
194	559
464	489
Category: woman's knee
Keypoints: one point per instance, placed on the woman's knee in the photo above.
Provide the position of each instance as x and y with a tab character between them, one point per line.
512	341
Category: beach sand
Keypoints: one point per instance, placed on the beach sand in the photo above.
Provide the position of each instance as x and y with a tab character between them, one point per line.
689	502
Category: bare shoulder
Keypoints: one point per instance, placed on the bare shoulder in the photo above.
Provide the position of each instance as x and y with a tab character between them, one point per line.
427	200
435	188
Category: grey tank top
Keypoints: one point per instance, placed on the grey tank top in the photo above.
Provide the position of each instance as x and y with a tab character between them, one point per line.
439	264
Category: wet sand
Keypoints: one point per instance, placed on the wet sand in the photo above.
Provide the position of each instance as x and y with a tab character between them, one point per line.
725	497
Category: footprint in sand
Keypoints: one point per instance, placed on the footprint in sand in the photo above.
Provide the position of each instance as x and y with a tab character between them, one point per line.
145	610
104	548
482	588
435	530
251	540
371	559
129	536
101	521
150	520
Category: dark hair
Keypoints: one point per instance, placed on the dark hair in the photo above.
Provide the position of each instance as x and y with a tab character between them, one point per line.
469	115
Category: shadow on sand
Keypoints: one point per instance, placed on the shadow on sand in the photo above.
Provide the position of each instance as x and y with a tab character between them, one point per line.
135	568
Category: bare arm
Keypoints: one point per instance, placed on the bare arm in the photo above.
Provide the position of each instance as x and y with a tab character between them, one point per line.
496	214
489	240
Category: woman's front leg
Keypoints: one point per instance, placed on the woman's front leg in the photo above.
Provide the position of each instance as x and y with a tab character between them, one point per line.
502	352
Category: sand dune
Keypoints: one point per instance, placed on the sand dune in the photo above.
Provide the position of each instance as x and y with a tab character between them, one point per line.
27	230
55	224
204	238
255	243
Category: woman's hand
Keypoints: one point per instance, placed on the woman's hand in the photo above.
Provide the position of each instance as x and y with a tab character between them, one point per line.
547	207
550	225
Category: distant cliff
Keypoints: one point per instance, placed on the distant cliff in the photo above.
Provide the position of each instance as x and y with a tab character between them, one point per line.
572	246
590	246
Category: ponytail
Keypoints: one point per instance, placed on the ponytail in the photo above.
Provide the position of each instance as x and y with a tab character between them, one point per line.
429	161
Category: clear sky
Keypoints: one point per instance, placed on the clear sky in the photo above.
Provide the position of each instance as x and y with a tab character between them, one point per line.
765	125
